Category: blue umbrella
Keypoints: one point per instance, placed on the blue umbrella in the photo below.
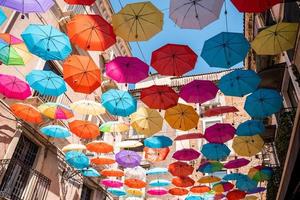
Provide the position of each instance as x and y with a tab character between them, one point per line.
55	131
158	141
117	192
235	177
250	128
157	171
90	172
256	190
2	17
159	183
239	83
46	42
214	151
246	184
225	49
263	103
77	159
194	197
46	82
118	102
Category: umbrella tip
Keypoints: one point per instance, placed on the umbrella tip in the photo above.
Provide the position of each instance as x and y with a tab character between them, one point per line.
22	16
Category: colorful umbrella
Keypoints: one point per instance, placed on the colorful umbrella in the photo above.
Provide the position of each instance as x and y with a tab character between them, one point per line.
236	163
193	197
256	190
135	183
239	83
26	112
99	147
200	189
235	177
129	144
128	159
182	117
210	167
173	59
159	183
254	6
114	127
90	172
195	14
102	160
112	172
157	171
180	169
157	191
189	136
87	107
247	145
77	159
14	88
219	133
260	173
186	154
178	191
156	154
55	131
263	102
209	179
219	110
198	91
84	129
117	192
56	111
46	82
112	183
2	17
118	102
250	128
138	21
80	2
158	141
74	147
28	6
135	192
137	172
183	181
222	187
235	195
214	151
251	197
246	184
91	32
159	97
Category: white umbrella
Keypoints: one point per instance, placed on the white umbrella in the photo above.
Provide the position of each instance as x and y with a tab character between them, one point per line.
135	173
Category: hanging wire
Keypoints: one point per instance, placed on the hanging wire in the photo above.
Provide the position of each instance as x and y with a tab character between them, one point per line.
226	16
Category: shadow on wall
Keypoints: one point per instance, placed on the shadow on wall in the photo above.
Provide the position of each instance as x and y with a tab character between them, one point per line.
4	136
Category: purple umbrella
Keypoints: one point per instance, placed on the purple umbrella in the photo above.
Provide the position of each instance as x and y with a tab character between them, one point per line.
186	155
28	6
198	91
127	69
127	158
219	133
256	190
237	163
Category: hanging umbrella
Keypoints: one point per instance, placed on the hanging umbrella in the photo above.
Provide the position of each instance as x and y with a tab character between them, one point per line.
118	102
219	133
129	144
157	171
112	183
260	173
91	32
246	184
239	83
210	167
250	128
98	146
117	192
158	141
134	192
214	151
200	189
178	191
254	6
128	159
263	102
28	6
173	59
84	129
73	147
157	191
180	169
220	110
102	160
183	181
90	172
80	2
235	195
189	136
235	177
146	121
112	172
186	154
159	183
208	179
26	112
193	197
198	91
82	74
156	154
236	163
127	69
256	190
114	127
46	82
77	159
138	21
195	14
251	197
13	50
13	87
222	187
137	172
87	107
230	48
247	145
55	131
56	111
182	117
159	97
2	17
135	183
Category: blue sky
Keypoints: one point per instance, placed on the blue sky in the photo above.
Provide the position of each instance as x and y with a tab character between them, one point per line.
194	38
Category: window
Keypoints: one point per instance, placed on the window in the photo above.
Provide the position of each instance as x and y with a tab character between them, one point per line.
77	9
86	193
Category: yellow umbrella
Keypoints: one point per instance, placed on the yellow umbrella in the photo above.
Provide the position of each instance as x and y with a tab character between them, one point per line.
129	144
138	21
247	145
114	127
87	107
135	192
74	147
275	39
250	197
208	179
182	117
146	121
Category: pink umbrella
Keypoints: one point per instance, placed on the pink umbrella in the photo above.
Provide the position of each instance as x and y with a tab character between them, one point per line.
219	133
186	155
112	183
14	88
198	91
240	162
127	69
157	191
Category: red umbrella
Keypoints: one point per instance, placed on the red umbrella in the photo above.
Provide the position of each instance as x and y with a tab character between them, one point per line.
184	181
219	133
173	59
186	155
220	110
235	195
189	136
180	169
178	191
80	2
255	6
159	97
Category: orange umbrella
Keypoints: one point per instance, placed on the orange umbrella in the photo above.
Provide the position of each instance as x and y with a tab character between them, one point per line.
235	195
112	172
26	112
84	129
178	191
209	179
99	147
82	74
135	183
103	161
156	155
199	189
183	181
180	169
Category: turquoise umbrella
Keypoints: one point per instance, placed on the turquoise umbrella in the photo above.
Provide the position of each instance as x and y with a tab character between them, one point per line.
46	82
194	197
118	102
235	177
157	171
214	151
55	131
46	42
90	172
77	159
2	17
158	141
250	128
117	192
246	184
159	183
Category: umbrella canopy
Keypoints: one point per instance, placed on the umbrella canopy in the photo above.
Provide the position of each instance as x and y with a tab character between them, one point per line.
118	102
87	107
209	179
251	197
186	155
237	163
13	50
180	169
112	172
200	189
159	97
195	14
198	91
90	172
247	145
157	191
246	184
250	128
263	102
219	133
235	194
210	167
222	187
99	147
158	141
178	191
173	59
239	83
91	32
135	192
231	48
156	154
74	147
189	136
56	111
256	190
84	129
124	69
102	160
182	117
112	183
157	171
117	192
128	159
254	6
46	82
114	127
46	42
26	112
219	110
260	173
137	172
235	177
138	21
28	6
193	197
55	131
135	183
80	2
129	144
183	181
77	159
159	183
2	17
13	87
146	121
215	151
